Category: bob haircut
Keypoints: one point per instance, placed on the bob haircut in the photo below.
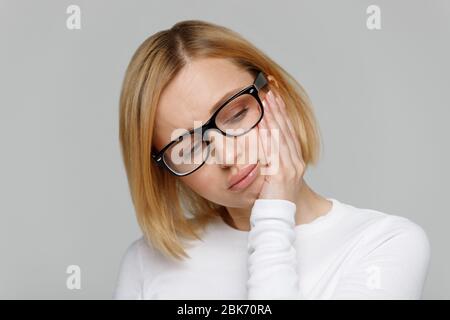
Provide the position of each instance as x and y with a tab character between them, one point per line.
160	199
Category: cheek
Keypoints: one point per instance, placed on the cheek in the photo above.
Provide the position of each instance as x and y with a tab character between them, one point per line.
205	182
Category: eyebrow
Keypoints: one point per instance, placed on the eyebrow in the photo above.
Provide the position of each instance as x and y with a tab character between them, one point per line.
219	103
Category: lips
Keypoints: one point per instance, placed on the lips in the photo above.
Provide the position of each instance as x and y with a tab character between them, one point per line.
241	175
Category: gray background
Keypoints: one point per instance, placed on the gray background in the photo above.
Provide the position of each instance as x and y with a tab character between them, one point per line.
381	99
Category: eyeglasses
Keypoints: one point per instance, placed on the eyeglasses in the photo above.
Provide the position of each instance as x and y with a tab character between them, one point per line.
236	116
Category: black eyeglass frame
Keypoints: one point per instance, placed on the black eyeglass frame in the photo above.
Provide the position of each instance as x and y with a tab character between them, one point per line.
253	89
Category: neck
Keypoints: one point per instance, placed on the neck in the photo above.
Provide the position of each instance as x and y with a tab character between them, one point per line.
310	206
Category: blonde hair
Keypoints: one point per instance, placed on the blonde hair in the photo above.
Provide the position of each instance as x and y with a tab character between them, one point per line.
158	197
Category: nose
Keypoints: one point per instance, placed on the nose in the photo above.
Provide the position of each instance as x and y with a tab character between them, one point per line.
225	149
229	150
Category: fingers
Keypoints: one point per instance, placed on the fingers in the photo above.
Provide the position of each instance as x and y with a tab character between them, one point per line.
286	140
293	133
269	139
270	136
278	140
264	136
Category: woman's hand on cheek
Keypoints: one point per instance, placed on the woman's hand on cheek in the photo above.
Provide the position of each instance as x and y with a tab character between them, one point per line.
283	175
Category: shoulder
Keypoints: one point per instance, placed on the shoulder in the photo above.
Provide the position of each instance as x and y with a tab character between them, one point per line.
387	252
387	232
133	253
131	273
375	222
141	254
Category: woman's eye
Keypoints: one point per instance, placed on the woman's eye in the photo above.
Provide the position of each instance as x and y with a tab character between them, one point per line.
240	113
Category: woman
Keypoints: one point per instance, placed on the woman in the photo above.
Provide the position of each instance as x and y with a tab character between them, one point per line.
216	138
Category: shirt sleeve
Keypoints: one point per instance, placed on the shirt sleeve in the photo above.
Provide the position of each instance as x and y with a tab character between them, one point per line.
272	260
391	263
129	282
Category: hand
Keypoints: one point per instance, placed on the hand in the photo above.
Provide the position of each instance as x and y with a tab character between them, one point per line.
285	180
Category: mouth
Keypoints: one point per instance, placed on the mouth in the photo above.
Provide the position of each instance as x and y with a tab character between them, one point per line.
249	174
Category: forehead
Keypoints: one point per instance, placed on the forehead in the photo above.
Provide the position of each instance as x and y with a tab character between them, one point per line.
193	92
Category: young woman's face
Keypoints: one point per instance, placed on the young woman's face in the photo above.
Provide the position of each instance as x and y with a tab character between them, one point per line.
190	97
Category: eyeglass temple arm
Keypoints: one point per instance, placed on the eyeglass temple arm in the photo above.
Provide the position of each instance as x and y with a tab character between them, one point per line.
260	81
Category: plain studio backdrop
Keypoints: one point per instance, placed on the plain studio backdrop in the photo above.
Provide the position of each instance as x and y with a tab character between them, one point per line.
381	98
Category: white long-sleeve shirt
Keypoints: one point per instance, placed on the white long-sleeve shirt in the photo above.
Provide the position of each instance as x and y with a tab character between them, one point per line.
348	253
